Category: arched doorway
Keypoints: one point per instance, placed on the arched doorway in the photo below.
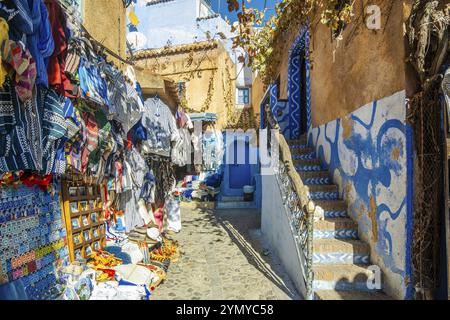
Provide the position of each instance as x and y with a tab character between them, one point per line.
299	87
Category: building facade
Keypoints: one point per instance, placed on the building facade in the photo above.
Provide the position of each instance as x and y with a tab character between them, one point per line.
348	101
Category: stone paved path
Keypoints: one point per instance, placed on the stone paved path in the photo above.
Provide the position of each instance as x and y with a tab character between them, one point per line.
223	258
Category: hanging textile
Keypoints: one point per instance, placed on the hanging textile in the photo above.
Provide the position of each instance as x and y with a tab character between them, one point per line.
53	124
19	132
56	66
161	127
164	176
173	213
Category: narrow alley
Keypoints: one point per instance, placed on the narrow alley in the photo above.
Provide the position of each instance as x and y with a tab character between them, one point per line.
223	257
171	150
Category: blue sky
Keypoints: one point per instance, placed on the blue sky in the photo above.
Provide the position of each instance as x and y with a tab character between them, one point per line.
221	6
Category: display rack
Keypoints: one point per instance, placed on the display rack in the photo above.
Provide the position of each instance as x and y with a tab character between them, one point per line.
84	217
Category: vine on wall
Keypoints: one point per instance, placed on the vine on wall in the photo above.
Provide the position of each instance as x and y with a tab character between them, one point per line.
258	35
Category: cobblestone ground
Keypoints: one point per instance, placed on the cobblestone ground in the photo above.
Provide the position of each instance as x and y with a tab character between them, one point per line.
223	258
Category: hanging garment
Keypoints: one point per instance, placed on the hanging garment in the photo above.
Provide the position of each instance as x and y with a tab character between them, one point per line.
161	127
104	129
20	132
73	128
33	22
213	150
90	139
56	67
164	176
117	90
137	169
148	188
173	213
181	151
93	86
53	125
20	61
130	112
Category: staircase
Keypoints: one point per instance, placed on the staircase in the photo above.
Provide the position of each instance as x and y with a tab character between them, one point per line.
340	258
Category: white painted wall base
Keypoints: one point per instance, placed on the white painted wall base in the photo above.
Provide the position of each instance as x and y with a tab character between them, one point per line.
277	232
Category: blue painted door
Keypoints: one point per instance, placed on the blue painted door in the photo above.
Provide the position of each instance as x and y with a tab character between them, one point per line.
240	174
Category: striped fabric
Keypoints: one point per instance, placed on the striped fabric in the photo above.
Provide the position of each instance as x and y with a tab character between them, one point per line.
117	90
93	86
54	126
90	139
19	143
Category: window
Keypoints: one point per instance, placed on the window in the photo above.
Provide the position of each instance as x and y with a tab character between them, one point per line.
243	96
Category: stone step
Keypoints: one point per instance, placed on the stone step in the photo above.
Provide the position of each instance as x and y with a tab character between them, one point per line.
324	195
323	188
313	162
297	146
340	251
299	151
336	228
349	295
333	214
304	156
346	277
235	205
331	205
306	168
324	192
231	199
316	177
302	140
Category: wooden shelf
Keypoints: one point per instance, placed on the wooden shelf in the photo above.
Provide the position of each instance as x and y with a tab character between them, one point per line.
68	215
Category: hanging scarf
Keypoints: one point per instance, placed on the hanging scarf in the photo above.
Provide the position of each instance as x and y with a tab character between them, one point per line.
38	37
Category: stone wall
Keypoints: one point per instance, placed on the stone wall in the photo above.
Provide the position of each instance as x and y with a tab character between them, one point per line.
366	65
208	64
105	20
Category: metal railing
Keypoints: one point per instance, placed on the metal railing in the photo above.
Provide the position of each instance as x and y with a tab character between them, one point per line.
295	199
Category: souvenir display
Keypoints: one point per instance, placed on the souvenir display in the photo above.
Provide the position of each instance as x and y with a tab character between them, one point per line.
87	161
91	218
33	241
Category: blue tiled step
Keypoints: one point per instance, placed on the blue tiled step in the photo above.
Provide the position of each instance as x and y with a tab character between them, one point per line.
324	195
298	146
330	214
304	156
340	251
316	181
323	192
309	168
344	278
316	178
337	228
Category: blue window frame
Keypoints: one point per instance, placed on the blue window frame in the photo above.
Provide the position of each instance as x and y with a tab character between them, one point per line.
243	96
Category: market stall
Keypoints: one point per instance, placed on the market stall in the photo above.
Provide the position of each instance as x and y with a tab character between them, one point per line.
86	164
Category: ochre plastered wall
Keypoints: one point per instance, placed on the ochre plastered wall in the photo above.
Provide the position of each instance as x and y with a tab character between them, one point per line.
367	65
105	20
178	67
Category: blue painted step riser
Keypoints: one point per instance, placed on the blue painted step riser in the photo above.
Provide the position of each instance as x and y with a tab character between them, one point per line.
308	156
324	195
336	214
340	258
343	286
308	168
336	234
317	181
